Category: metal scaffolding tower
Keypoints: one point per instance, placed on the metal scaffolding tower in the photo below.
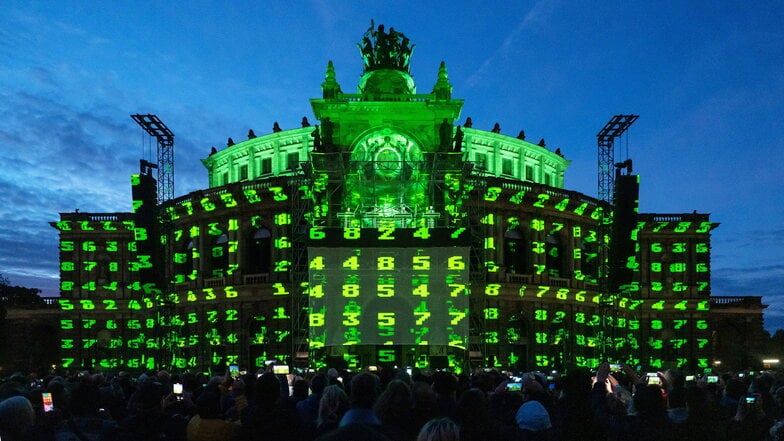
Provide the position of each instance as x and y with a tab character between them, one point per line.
161	297
156	128
606	137
614	128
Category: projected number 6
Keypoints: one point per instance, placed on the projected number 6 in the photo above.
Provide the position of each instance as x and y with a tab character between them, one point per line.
455	263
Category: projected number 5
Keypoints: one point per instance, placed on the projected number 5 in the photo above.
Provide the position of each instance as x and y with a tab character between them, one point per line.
421	263
386	324
385	290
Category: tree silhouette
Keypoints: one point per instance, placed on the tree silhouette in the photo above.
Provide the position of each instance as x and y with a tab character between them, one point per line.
17	295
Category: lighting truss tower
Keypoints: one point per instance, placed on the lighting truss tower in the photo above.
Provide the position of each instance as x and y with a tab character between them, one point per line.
156	128
165	307
606	137
614	128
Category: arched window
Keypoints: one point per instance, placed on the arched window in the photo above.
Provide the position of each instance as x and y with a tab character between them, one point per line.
183	260
555	256
103	268
259	251
516	329
516	252
589	260
219	253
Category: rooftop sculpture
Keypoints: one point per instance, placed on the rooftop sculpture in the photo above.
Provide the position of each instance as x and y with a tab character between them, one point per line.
382	50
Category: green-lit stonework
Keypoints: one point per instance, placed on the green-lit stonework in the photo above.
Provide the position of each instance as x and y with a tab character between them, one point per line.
385	232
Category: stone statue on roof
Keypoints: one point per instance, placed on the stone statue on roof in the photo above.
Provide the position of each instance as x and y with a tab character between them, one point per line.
385	50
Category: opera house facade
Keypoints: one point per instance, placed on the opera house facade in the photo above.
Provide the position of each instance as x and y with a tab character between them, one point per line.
389	231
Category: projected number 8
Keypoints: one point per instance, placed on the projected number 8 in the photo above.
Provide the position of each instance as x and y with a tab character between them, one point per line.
386	263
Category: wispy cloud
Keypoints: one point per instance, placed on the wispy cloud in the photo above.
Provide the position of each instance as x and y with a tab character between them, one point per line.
764	281
57	157
537	16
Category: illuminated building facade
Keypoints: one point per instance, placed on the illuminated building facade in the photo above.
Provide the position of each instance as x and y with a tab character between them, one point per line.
385	234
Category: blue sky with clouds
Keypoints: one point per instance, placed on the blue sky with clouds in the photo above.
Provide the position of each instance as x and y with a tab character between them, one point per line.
705	78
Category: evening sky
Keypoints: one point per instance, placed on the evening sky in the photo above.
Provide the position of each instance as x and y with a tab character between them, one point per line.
705	77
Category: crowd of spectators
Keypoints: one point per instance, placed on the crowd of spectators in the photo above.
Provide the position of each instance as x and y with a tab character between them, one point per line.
394	405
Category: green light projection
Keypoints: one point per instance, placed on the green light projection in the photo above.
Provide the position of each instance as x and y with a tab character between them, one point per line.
386	262
100	279
572	317
100	273
386	182
388	296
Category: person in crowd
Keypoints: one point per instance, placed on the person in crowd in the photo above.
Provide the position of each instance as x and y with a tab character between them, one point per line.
236	401
750	422
619	407
333	377
761	385
164	377
363	391
778	400
394	408
299	390
359	423
424	403
177	409
677	411
332	406
439	429
208	424
445	387
532	389
651	416
16	385
225	385
703	419
17	418
574	404
308	409
404	376
533	420
113	396
474	419
734	389
502	406
87	419
271	415
144	418
484	380
649	421
776	432
674	379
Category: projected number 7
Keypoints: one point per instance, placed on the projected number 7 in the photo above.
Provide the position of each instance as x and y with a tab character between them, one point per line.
456	289
421	313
